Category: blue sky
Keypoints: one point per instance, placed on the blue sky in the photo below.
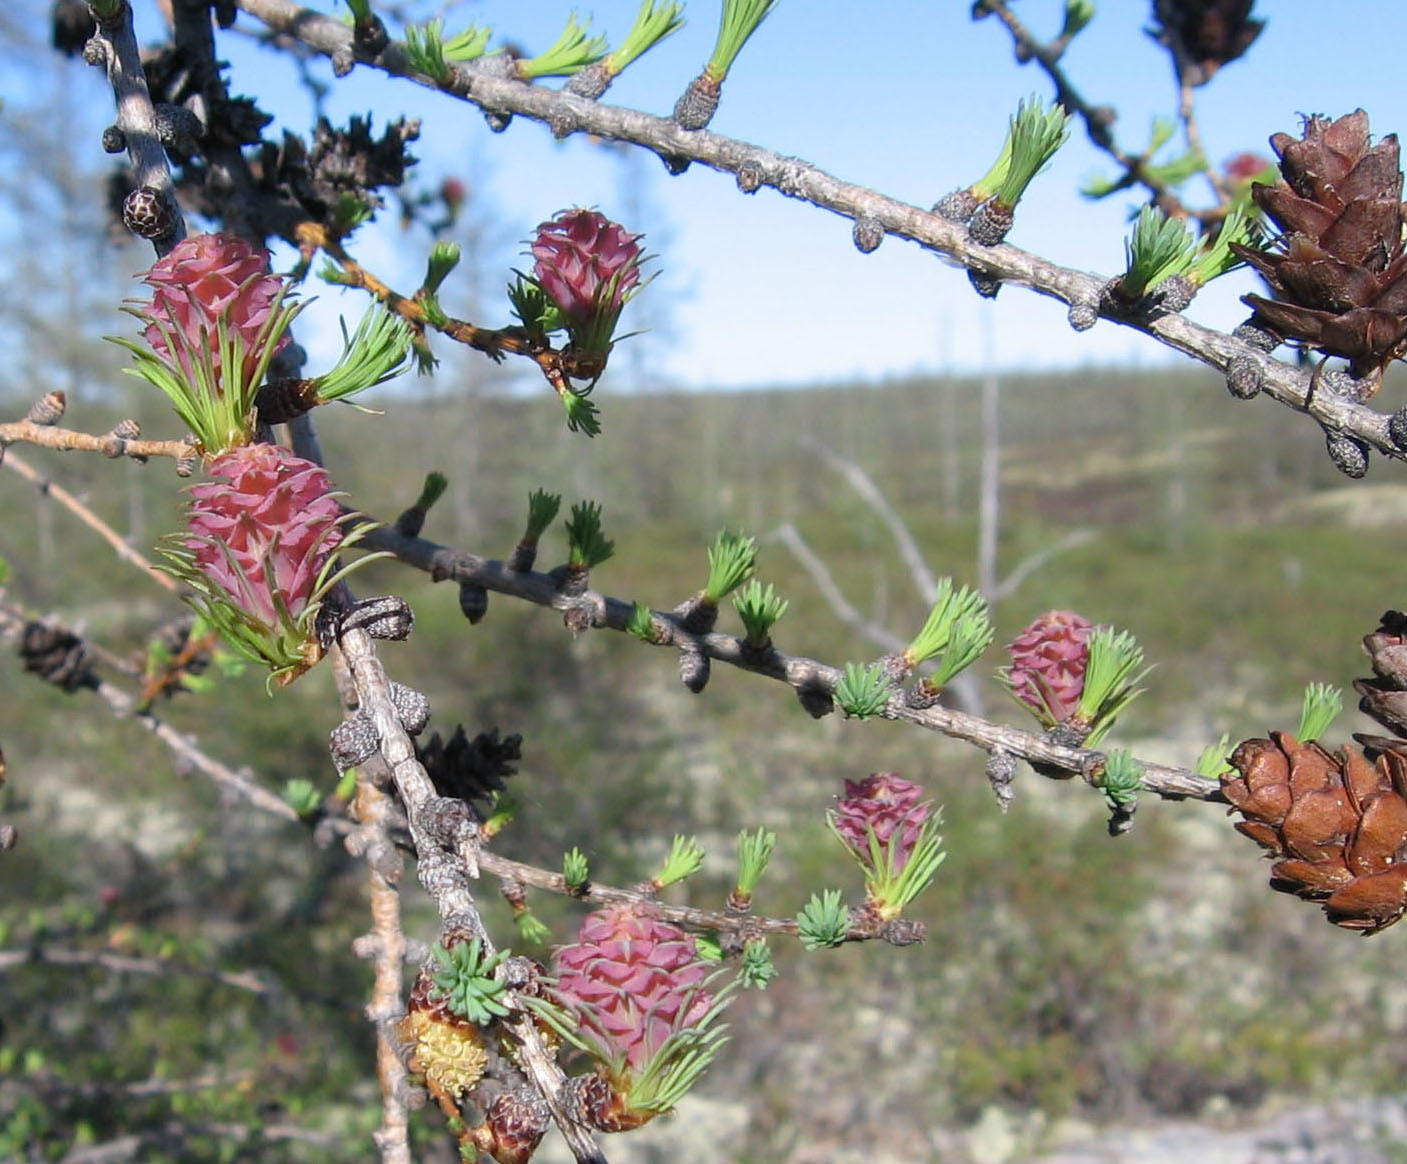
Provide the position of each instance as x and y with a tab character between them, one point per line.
910	97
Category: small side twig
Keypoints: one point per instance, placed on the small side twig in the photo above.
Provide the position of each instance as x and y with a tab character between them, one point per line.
67	440
92	521
250	980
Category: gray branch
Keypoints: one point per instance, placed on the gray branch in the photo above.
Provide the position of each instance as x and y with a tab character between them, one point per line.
444	866
807	183
589	608
136	117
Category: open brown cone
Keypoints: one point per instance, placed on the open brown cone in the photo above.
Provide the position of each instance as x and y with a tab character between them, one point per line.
1336	826
1339	271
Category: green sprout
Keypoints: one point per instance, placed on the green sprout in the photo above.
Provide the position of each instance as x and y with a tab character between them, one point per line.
760	608
425	50
1212	761
1175	171
376	352
589	547
302	796
434	488
576	871
971	636
465	980
1122	779
1114	668
581	413
350	213
1034	133
1078	14
958	627
824	921
468	45
347	785
542	511
505	808
1322	704
573	51
754	851
361	10
1159	248
444	257
430	307
332	273
412	520
1172	173
731	560
757	969
537	313
641	623
708	947
652	24
1217	257
686	857
863	692
531	928
739	21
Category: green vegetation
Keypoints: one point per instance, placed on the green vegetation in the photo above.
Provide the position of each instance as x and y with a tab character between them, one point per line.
1063	969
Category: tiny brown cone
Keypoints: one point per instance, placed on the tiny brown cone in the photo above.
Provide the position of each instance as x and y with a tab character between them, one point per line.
1336	826
1385	695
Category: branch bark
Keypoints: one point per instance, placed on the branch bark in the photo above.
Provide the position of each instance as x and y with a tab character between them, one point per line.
797	179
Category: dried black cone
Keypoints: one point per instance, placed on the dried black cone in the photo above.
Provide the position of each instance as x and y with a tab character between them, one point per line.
468	769
1339	273
1207	33
56	655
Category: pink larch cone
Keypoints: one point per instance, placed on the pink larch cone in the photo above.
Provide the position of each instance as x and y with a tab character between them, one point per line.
633	981
586	264
1048	661
263	531
886	804
208	278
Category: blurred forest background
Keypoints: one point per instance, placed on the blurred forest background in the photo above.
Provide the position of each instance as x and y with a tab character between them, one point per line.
177	969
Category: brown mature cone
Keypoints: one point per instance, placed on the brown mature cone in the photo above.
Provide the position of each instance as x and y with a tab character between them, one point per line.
1385	695
1340	273
1336	826
1211	33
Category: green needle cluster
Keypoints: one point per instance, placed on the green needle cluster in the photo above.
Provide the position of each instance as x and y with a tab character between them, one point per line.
589	547
759	607
824	921
739	21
